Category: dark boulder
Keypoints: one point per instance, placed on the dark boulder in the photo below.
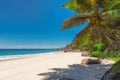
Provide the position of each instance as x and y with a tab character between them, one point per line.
90	61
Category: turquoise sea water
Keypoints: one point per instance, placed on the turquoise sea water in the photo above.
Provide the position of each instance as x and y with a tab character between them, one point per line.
19	53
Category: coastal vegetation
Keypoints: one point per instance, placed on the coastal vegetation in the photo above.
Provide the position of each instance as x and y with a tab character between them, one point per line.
101	36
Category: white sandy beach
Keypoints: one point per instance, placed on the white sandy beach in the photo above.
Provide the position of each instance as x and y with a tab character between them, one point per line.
49	66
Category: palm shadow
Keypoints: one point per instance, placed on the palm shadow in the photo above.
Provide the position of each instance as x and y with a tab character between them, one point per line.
77	72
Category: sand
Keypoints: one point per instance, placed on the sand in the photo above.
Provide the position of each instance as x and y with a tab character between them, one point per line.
51	67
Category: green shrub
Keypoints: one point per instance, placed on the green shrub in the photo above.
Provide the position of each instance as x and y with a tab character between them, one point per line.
85	47
113	54
96	53
97	50
99	47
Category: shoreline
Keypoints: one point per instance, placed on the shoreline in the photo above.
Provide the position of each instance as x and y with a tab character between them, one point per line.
15	57
44	66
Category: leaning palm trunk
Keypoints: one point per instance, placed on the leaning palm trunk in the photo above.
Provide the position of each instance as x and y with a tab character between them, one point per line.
113	73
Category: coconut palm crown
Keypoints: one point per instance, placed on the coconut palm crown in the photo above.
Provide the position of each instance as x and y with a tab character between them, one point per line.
99	14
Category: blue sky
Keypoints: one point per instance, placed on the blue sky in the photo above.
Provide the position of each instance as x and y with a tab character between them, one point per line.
34	24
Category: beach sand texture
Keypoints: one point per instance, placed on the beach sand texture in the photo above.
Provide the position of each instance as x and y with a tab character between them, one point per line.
50	67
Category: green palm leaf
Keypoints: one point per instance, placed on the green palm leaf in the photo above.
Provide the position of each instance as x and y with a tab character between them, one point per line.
75	21
113	5
75	6
110	15
94	5
108	5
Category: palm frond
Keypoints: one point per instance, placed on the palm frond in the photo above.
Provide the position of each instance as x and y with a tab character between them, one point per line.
108	5
71	5
86	30
94	5
105	3
78	6
110	15
114	24
115	5
111	19
75	21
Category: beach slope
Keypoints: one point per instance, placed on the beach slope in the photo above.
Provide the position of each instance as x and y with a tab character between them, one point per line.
40	67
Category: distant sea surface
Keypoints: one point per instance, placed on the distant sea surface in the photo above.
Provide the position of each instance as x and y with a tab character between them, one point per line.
6	54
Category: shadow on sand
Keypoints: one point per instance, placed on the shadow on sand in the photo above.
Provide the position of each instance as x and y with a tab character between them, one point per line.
77	72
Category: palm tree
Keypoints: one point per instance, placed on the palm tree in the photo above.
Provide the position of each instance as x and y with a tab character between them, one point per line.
98	14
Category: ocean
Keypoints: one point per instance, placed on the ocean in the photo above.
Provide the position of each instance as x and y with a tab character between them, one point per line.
6	54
